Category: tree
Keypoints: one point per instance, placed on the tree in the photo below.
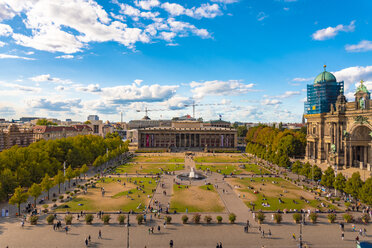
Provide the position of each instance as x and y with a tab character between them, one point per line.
46	184
316	173
69	173
365	193
84	169
328	178
18	198
296	167
45	122
35	191
87	122
58	179
242	131
353	185
340	182
76	174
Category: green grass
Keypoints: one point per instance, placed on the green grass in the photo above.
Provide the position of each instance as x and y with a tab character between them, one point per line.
256	169
182	206
148	168
274	201
221	168
158	159
222	159
88	205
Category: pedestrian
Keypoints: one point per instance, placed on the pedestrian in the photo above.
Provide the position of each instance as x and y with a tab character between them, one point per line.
269	233
365	232
99	234
342	235
152	230
357	239
86	242
66	229
293	236
220	244
263	233
149	230
158	228
171	243
89	238
361	232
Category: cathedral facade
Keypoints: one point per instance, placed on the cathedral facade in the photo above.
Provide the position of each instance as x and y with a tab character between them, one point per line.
338	132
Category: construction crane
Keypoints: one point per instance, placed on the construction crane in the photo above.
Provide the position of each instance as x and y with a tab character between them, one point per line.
201	104
150	110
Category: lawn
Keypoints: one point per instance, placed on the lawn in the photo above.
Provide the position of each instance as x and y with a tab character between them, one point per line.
150	168
222	159
134	195
158	159
265	194
225	169
195	199
256	169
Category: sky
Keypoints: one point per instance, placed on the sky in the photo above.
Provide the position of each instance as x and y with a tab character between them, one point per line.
246	60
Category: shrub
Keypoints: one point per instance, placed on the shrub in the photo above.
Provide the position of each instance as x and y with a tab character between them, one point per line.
45	206
106	219
34	219
196	218
54	200
219	219
50	219
168	219
121	219
68	192
75	191
347	204
68	219
348	218
89	219
365	218
185	219
60	197
297	217
278	218
331	218
232	218
71	194
313	217
139	219
208	219
260	217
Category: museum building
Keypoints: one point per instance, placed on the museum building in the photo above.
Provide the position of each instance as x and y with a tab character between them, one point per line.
338	132
187	135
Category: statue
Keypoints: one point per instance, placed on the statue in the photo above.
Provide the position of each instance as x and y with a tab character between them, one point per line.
333	148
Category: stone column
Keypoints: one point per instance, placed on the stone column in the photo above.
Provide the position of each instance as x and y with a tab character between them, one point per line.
345	156
350	155
365	159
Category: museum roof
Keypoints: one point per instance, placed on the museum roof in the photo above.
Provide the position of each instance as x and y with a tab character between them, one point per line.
188	128
325	77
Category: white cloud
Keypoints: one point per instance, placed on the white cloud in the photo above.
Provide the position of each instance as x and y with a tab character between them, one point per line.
60	88
352	75
204	11
177	102
300	79
2	44
216	87
66	56
8	56
330	32
48	78
5	30
173	8
289	94
20	87
168	36
7	111
90	88
133	93
286	9
5	12
147	4
363	46
271	102
262	16
138	82
55	105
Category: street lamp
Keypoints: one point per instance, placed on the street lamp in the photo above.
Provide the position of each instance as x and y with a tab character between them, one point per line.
128	230
303	219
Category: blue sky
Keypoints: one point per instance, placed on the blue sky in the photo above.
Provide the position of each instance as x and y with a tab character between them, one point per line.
68	59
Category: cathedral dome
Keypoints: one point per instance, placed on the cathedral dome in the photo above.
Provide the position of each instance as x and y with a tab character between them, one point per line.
325	77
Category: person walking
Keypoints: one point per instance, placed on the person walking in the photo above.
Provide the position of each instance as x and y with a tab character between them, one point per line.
86	242
89	238
99	234
269	233
158	228
171	243
220	244
66	229
342	235
293	236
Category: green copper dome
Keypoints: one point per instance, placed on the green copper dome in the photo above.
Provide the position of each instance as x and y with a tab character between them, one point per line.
362	88
325	77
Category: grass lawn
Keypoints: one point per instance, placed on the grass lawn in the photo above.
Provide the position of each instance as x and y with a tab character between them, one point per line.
256	169
132	168
158	159
117	196
269	193
222	159
196	199
226	169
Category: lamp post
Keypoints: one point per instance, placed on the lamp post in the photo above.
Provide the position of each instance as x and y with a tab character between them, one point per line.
128	230
302	221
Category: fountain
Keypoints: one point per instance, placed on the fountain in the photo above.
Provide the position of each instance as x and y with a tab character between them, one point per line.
192	175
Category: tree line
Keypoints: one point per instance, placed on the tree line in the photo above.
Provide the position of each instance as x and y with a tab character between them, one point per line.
276	145
22	167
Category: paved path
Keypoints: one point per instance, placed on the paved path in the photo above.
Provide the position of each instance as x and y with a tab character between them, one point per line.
165	184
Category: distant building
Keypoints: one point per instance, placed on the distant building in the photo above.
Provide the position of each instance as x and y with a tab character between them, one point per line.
58	132
93	118
146	122
15	135
186	135
28	119
217	123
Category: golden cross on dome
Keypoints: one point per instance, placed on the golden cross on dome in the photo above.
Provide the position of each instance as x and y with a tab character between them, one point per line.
361	82
325	66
